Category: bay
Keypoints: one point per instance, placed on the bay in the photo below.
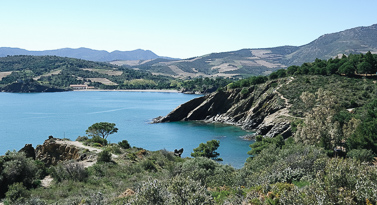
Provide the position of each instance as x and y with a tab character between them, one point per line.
31	118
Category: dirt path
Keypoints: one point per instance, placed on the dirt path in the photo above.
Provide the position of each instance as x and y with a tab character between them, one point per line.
287	105
91	160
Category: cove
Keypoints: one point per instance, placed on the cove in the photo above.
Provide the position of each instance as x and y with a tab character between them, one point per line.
31	118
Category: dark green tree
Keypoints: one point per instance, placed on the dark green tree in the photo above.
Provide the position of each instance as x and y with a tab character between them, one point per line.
101	129
208	150
364	68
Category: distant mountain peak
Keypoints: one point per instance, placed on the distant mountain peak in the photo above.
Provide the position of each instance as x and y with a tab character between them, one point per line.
85	54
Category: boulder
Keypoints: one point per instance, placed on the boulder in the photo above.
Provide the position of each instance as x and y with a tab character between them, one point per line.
29	151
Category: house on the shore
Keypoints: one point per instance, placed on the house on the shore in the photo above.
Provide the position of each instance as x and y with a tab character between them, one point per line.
81	87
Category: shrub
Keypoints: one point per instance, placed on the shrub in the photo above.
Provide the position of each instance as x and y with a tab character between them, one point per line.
17	192
97	139
15	167
104	156
148	165
364	155
179	190
124	144
82	139
209	172
70	171
244	91
114	148
187	191
151	192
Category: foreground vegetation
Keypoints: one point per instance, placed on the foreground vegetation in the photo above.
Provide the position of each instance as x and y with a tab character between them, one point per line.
291	173
329	159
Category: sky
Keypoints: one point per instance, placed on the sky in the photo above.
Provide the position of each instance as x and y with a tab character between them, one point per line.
176	28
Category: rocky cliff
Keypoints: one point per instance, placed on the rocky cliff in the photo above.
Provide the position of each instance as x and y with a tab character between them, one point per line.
52	152
260	108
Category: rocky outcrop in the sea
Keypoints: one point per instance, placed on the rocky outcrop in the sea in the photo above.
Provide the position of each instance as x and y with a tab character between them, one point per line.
52	152
258	108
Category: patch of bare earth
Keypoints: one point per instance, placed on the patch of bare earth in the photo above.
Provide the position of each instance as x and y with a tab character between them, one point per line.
267	64
104	81
4	74
107	72
130	62
225	67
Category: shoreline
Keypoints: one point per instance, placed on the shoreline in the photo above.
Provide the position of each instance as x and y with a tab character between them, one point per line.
129	90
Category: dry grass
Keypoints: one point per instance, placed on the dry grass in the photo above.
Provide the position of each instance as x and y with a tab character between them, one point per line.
107	72
54	72
4	74
104	81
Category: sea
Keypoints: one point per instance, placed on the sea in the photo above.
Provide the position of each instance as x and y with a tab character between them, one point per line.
30	118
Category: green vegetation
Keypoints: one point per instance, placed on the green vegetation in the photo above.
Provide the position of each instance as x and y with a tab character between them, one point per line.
208	150
330	159
101	129
62	72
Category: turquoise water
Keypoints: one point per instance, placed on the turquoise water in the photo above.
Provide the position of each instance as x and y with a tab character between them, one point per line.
31	118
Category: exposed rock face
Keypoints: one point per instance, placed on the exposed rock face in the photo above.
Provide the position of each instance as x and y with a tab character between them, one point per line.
29	151
260	109
52	152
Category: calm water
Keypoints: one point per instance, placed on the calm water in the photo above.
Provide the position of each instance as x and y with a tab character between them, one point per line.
31	118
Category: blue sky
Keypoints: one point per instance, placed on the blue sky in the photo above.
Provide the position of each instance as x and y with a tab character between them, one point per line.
175	28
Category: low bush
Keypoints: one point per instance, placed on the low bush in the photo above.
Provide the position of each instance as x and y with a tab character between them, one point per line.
114	148
148	165
209	172
104	156
124	144
364	155
69	171
16	167
82	139
17	192
97	139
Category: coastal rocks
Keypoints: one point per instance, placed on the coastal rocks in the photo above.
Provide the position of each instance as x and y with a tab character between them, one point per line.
258	108
29	151
178	153
52	152
127	193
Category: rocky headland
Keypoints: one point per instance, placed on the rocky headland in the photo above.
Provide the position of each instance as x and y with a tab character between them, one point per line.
260	108
29	87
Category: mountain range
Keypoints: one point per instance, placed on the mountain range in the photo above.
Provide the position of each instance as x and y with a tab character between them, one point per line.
263	61
85	54
245	62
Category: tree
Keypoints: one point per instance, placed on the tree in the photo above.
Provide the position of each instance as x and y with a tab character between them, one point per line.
101	129
208	150
364	68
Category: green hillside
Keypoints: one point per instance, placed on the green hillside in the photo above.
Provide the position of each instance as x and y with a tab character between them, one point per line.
60	72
